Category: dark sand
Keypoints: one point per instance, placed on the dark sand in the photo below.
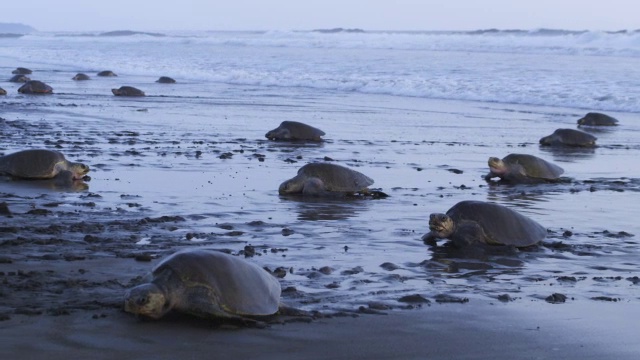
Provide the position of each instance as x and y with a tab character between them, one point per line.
535	331
170	172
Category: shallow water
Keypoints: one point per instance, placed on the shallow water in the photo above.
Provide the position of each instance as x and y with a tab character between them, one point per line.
160	156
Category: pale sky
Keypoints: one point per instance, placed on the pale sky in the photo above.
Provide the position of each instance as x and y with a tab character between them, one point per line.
158	15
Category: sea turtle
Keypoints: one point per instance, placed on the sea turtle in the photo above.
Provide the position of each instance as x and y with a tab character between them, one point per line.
19	78
165	80
22	71
597	119
325	179
523	168
107	73
40	164
569	137
3	91
205	283
127	91
81	76
35	87
478	222
293	130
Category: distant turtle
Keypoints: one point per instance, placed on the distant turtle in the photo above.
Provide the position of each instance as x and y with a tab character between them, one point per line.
127	91
19	78
107	73
569	137
165	80
40	164
293	130
81	76
597	119
478	222
35	87
22	71
325	179
205	283
523	168
3	91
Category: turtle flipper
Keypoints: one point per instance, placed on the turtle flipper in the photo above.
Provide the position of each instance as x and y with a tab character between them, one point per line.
468	234
430	239
314	186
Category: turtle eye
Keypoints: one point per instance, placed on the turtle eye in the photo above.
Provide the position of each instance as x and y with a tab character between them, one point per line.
143	300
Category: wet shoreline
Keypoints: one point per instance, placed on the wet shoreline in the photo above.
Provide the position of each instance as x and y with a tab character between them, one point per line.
166	178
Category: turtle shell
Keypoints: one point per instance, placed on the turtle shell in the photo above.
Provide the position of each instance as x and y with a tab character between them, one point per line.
293	130
107	73
165	80
501	224
19	78
35	87
32	164
22	71
335	177
534	167
569	137
80	76
127	91
597	119
236	285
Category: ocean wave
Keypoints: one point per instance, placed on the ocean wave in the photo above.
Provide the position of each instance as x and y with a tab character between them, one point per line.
546	68
539	41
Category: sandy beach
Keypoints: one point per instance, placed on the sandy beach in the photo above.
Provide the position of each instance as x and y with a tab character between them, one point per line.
171	171
469	331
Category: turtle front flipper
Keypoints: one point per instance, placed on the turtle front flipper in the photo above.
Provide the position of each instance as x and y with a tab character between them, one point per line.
430	239
469	233
490	176
315	187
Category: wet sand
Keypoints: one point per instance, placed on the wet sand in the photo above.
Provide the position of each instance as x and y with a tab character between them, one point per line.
177	171
436	332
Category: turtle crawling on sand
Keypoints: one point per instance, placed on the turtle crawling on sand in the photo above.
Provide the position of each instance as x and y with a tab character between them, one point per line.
478	222
35	87
205	283
107	73
523	168
569	137
127	91
597	119
41	164
325	179
165	80
22	71
81	76
19	78
293	130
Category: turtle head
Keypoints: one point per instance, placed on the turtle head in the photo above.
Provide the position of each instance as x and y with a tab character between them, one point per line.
278	133
147	300
441	225
497	166
547	140
291	186
78	170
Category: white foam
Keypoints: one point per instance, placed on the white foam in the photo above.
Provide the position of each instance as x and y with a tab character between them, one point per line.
590	70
